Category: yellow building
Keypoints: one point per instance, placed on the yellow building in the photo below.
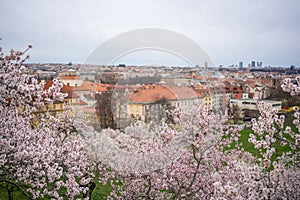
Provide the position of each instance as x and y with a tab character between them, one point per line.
150	102
57	106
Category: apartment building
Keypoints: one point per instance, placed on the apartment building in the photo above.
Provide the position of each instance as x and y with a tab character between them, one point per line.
248	107
150	102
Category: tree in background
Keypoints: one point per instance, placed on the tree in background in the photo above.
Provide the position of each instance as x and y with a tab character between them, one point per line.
104	110
235	113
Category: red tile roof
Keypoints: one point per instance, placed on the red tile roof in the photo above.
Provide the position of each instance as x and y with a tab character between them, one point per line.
89	110
86	86
101	87
184	92
70	77
153	93
237	96
65	89
90	86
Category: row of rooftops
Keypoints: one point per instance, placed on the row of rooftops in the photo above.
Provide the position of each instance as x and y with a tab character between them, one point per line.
156	92
143	93
246	76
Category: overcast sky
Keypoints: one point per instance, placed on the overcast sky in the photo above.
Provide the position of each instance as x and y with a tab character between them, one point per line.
229	30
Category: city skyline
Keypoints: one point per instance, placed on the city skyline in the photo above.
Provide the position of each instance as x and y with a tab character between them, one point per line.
230	32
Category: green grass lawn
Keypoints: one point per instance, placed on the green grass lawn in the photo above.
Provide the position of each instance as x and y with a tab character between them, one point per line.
249	147
101	191
17	195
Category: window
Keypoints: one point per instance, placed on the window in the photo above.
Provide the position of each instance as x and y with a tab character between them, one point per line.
248	103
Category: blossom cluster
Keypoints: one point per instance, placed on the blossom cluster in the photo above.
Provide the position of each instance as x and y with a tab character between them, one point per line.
207	162
290	87
197	156
37	160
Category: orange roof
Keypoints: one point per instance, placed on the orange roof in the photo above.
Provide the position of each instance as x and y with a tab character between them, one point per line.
86	85
237	96
89	110
199	94
101	87
90	86
153	93
64	89
70	77
184	92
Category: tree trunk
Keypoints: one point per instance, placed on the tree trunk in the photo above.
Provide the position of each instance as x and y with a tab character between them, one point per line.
10	189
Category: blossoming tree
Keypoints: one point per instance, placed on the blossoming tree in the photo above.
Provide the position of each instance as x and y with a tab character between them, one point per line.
47	160
209	163
198	156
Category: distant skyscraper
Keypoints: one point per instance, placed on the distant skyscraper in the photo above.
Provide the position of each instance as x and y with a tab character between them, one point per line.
259	64
292	67
240	64
205	65
252	63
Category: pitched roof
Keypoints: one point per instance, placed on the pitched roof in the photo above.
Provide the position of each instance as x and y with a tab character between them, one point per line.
70	77
184	92
154	93
65	89
90	86
86	86
101	87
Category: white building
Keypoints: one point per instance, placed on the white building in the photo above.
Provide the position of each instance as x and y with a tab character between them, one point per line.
249	108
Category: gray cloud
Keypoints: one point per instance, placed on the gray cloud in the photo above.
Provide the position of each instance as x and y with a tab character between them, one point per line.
63	31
